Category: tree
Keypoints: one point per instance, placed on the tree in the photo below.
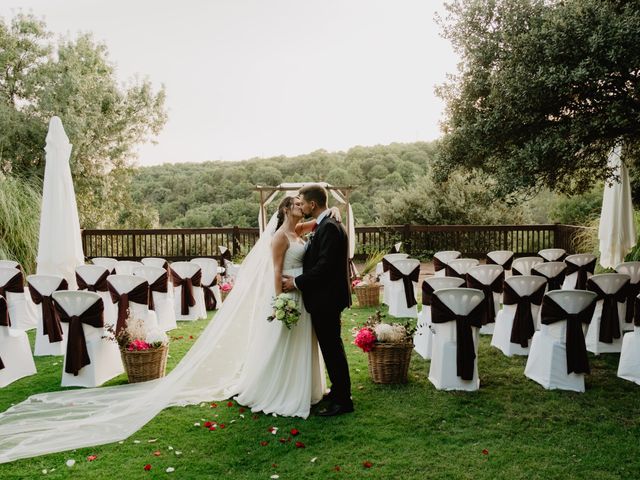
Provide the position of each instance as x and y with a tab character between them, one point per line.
545	88
104	120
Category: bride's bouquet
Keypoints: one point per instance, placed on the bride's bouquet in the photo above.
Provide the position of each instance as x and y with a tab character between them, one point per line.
285	309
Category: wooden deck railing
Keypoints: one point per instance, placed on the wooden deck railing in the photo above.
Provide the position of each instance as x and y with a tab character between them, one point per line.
419	240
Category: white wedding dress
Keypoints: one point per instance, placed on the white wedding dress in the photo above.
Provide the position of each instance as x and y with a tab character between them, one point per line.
267	366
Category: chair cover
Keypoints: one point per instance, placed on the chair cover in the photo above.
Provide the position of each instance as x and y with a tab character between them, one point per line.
188	294
49	340
558	355
16	360
440	260
553	254
629	366
159	299
161	263
516	322
488	279
10	264
126	267
93	278
459	267
91	358
403	280
108	263
633	270
22	311
384	273
131	294
553	272
523	265
422	339
605	330
456	315
209	282
504	258
580	267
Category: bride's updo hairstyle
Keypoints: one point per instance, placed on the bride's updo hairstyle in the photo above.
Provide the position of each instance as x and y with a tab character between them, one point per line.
285	204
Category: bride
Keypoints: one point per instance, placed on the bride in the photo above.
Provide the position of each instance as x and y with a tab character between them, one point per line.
265	365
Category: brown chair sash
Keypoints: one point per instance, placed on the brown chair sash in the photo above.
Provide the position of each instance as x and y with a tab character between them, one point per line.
407	280
465	348
427	293
77	356
50	321
523	326
577	360
139	294
449	271
160	284
609	321
187	299
515	271
385	265
14	285
506	265
210	301
553	283
438	264
559	259
581	282
636	314
489	313
633	290
226	255
100	284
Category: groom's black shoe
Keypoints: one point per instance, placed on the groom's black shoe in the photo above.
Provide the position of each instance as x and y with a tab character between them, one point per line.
334	409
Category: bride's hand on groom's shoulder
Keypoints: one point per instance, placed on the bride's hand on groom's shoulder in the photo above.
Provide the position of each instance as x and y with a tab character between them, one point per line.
334	212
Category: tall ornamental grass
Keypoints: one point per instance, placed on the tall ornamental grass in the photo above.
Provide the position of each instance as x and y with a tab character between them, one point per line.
19	220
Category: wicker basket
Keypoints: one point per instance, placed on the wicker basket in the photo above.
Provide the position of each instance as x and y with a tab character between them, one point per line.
145	365
368	295
389	362
223	294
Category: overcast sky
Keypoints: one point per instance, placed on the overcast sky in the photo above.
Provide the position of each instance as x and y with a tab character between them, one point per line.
258	78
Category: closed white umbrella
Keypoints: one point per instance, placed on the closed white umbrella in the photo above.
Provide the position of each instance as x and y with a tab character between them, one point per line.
60	243
617	232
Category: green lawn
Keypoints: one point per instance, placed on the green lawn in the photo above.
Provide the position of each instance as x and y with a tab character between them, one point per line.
510	429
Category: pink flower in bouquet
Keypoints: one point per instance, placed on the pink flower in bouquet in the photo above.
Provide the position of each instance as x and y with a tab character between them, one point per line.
226	287
138	345
355	283
365	339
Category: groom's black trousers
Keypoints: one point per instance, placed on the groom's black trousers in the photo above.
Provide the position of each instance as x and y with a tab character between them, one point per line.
326	324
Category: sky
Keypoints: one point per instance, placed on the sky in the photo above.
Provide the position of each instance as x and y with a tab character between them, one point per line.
261	78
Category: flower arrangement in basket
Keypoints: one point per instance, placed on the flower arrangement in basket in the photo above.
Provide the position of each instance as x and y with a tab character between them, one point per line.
367	287
143	352
225	288
389	347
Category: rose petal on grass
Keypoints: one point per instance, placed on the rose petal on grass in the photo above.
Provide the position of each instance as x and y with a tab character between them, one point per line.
313	460
274	465
300	445
169	447
337	468
157	453
136	441
44	472
294	431
147	467
208	424
264	443
70	463
91	458
367	464
241	410
178	452
229	404
485	452
274	476
221	425
197	424
214	405
170	469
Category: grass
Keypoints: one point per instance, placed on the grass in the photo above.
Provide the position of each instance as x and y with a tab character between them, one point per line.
511	428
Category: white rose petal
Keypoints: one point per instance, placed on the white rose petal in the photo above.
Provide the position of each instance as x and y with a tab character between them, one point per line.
275	476
152	440
71	462
169	447
241	415
121	442
136	441
170	469
197	424
313	460
178	452
44	472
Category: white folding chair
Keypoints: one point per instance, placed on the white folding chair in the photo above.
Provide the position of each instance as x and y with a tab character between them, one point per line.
459	267
553	272
440	260
184	270
633	270
104	355
106	262
15	351
137	291
384	274
629	365
52	342
212	296
580	268
162	302
552	254
516	289
22	311
95	278
443	372
10	264
504	258
155	262
547	363
402	290
606	328
126	267
422	339
488	279
523	265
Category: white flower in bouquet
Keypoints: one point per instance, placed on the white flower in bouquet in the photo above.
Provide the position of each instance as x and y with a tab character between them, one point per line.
136	328
386	333
285	309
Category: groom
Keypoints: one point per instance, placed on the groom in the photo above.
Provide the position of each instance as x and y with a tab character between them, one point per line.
324	284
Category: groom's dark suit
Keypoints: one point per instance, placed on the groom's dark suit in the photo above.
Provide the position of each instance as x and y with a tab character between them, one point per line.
324	284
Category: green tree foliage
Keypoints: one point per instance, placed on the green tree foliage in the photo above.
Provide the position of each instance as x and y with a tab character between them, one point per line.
545	89
104	120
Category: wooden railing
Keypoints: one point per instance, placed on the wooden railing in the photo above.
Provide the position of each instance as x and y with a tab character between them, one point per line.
418	240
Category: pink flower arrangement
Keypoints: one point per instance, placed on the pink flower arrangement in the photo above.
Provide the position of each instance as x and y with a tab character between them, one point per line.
138	345
226	287
365	339
355	283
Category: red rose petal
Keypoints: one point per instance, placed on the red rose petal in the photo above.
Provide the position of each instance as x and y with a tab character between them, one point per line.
485	452
91	458
282	440
212	429
264	443
190	337
274	465
295	431
147	467
207	424
337	468
221	425
214	405
229	404
157	453
300	445
241	410
367	464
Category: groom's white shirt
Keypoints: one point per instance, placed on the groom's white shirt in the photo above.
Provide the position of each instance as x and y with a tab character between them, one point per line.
318	220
